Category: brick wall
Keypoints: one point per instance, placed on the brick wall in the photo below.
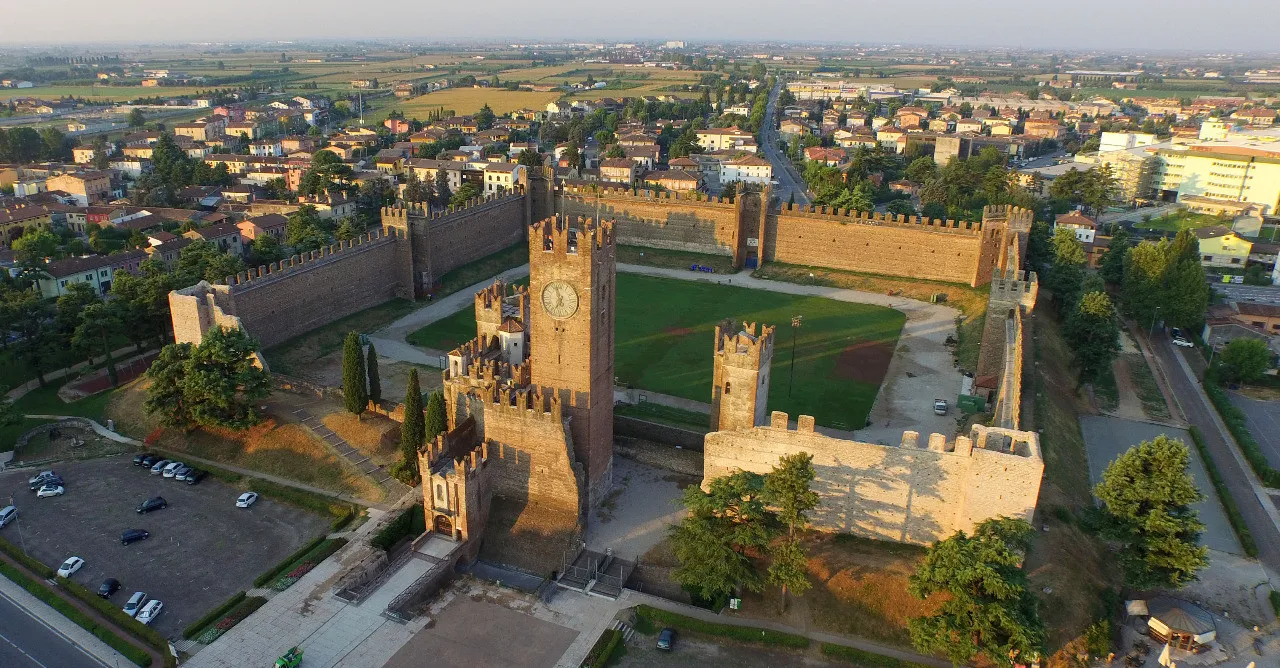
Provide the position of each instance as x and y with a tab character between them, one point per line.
674	221
912	494
443	241
295	296
531	453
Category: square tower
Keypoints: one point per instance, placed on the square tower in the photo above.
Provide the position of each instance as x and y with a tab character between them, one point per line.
740	376
572	264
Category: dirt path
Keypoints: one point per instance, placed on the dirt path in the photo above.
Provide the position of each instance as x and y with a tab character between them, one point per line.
1129	407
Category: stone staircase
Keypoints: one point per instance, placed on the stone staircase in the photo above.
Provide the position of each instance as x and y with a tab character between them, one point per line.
377	474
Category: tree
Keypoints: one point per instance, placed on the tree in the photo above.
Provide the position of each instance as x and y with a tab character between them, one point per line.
921	169
1147	493
988	611
203	261
529	158
1186	293
616	151
788	489
9	415
32	248
375	379
714	542
101	153
1067	273
413	429
1111	268
136	118
1093	334
436	422
355	392
1144	270
218	383
484	118
443	194
1244	360
466	193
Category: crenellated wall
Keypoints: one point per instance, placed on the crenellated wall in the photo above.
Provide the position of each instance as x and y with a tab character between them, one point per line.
911	493
675	221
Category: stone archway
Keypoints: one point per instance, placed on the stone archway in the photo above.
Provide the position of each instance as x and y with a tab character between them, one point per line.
443	525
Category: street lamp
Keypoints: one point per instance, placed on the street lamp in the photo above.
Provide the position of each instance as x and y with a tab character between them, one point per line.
1154	317
1213	350
795	327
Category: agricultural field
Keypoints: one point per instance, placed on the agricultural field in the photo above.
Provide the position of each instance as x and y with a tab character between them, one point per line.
469	100
98	93
664	334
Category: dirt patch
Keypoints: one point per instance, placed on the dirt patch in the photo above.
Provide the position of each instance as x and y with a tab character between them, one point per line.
528	536
67	443
374	435
865	362
677	331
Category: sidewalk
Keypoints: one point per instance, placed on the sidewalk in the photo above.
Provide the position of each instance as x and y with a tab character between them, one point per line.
54	620
157	659
119	438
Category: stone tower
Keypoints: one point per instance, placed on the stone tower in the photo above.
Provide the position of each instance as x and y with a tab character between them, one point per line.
740	382
572	263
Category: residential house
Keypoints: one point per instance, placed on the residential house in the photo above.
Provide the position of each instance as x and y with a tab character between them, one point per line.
827	156
501	178
1258	117
85	187
791	127
677	180
719	139
619	170
331	205
226	236
266	148
748	169
271	224
248	129
1043	129
298	144
973	125
198	131
98	271
1221	247
1084	227
82	155
397	125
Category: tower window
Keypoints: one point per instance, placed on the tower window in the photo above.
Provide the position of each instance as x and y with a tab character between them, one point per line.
726	388
440	491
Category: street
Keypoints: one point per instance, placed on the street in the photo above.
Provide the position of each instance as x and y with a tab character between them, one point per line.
25	641
1195	406
788	181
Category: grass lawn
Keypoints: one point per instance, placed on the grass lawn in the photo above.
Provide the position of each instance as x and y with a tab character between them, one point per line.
273	447
1181	219
676	417
970	301
291	356
673	259
664	338
45	401
486	267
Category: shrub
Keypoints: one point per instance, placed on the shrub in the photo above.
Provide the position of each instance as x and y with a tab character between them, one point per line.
1275	601
1224	495
411	522
230	618
268	576
32	564
656	618
117	617
602	651
316	551
301	498
194	629
864	658
45	594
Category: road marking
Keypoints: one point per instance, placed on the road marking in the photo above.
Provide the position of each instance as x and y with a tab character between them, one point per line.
51	628
22	651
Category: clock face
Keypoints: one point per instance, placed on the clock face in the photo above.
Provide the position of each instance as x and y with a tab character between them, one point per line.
559	299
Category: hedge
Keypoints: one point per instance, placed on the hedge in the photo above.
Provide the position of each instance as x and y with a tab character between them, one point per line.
301	498
262	580
866	659
316	555
227	621
1224	495
603	650
1238	425
1275	601
658	617
112	611
212	616
411	522
106	635
26	560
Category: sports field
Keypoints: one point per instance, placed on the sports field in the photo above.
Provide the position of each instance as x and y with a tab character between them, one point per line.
664	336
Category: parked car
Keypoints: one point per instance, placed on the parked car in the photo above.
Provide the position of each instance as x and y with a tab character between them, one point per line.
1175	333
153	503
50	490
41	476
139	458
109	586
246	499
171	469
150	611
7	515
195	476
667	639
158	467
150	460
940	406
181	473
70	566
1183	342
45	478
133	536
135	603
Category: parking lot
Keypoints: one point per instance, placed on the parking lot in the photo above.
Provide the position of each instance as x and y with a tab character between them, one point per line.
1263	418
202	549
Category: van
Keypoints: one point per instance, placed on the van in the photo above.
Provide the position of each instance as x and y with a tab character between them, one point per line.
7	515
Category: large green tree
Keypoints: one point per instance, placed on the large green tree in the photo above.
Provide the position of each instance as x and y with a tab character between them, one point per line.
1244	360
413	429
219	383
1147	493
1093	334
165	395
788	490
375	378
355	391
98	325
726	525
435	422
1144	271
1112	265
987	611
1066	276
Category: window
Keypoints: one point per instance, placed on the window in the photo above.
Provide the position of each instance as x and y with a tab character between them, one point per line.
1235	260
726	387
439	491
1208	258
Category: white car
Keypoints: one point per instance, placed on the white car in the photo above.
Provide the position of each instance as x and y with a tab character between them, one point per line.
70	566
246	499
159	466
150	611
50	490
171	469
135	603
1183	343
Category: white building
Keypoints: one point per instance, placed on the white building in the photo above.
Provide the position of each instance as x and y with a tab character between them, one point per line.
748	169
266	148
501	178
719	139
1083	226
1123	141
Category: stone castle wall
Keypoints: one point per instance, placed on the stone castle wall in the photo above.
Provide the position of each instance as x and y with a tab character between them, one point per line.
909	494
531	452
443	241
672	221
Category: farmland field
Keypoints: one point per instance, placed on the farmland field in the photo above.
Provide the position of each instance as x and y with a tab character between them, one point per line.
469	100
664	334
103	93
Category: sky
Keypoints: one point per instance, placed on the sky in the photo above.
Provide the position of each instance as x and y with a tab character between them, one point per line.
1237	26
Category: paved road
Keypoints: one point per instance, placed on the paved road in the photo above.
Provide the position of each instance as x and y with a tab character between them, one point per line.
1135	215
27	642
1195	406
788	181
1264	294
1263	418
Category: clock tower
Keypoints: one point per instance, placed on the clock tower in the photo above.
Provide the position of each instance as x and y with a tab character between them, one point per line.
572	264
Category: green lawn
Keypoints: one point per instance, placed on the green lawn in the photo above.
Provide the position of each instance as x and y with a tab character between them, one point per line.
45	401
665	334
290	357
1182	219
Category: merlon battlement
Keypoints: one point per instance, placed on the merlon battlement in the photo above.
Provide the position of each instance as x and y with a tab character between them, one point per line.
493	295
276	270
996	440
1014	287
741	346
402	210
571	235
1015	217
529	401
855	217
591	194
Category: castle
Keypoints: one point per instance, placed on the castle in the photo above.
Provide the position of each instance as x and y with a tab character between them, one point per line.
530	398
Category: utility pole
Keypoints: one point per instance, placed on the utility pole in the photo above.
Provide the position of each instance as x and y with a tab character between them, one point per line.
795	327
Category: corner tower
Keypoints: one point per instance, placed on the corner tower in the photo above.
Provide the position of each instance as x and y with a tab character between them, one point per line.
740	380
572	264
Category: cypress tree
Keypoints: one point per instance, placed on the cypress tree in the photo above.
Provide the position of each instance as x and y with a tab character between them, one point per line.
435	422
354	391
375	382
413	429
